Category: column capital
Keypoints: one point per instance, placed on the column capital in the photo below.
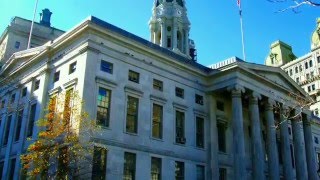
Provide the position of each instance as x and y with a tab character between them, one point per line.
307	120
236	89
270	103
254	97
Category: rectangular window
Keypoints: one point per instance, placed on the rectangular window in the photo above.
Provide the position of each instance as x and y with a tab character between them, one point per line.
316	140
17	44
310	63
179	92
36	85
132	115
222	174
179	170
133	76
221	137
51	112
129	168
309	88
313	87
103	107
169	42
12	167
306	65
318	59
106	67
13	98
155	168
67	107
199	99
157	121
200	132
1	168
99	163
290	72
72	67
157	84
24	92
220	106
297	79
296	69
308	76
56	76
32	117
18	126
200	172
180	138
7	130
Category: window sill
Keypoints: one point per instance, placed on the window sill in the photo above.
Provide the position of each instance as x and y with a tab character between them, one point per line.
132	134
179	144
156	139
200	148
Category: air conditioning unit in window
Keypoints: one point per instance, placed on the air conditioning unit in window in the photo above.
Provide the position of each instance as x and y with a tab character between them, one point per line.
181	140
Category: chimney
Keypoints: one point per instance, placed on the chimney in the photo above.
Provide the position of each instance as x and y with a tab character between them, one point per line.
45	17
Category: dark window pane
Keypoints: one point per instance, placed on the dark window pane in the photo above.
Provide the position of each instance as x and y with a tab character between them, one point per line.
221	137
134	76
179	170
200	132
18	126
155	168
179	92
200	172
132	115
32	117
72	67
129	168
103	107
158	85
7	130
12	167
180	127
157	121
106	67
99	163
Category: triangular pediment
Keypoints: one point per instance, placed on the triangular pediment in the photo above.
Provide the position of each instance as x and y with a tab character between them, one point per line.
274	75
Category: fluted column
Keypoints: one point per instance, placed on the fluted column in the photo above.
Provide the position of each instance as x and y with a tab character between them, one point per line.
258	160
310	153
299	147
239	165
163	34
273	158
285	146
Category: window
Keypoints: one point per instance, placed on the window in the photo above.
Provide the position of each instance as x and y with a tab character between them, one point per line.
1	168
18	126
300	68
290	72
220	105
36	84
169	42
12	167
312	74
313	87
56	76
310	63
180	128
316	140
72	67
51	111
316	112
179	170
106	67
200	132
157	121
297	79
179	92
200	172
308	76
309	88
155	168
222	174
158	85
318	59
24	92
103	107
221	137
7	130
296	69
132	115
67	107
306	65
3	103
129	168
32	117
99	163
13	98
199	99
133	76
17	45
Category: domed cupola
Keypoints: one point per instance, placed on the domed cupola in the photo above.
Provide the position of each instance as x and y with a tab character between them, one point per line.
170	26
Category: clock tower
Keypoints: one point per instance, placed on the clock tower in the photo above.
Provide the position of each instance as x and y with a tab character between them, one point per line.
170	26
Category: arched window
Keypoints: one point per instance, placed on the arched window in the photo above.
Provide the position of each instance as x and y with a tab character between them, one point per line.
310	63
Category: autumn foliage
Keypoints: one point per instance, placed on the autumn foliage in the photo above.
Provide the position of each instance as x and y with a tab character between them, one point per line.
59	149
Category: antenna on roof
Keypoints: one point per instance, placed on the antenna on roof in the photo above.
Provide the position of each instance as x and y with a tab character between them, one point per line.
34	16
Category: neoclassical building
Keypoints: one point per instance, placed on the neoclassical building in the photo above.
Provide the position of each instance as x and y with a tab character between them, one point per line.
162	114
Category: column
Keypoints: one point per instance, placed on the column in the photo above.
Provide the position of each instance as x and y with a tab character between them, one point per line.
163	34
299	147
272	151
310	153
285	145
174	34
213	139
258	160
239	163
187	41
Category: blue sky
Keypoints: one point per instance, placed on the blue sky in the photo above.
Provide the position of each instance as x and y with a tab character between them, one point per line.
215	25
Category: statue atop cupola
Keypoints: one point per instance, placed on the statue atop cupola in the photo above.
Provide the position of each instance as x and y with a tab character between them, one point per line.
170	26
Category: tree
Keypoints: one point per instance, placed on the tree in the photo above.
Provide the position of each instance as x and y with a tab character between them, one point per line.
296	4
59	147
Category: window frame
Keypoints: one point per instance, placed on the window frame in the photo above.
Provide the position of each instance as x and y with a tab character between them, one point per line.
73	67
129	165
99	169
180	130
132	114
199	99
56	76
179	170
156	168
131	77
200	132
106	122
157	85
158	121
106	66
179	92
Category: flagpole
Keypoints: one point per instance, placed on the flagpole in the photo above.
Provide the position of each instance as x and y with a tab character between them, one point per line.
31	29
242	34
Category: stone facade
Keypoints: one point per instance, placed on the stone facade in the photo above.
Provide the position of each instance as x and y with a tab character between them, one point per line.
215	123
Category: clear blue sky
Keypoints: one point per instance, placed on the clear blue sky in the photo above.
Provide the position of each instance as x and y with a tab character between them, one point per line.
215	25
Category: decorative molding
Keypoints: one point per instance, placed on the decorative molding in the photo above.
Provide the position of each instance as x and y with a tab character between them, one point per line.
179	106
106	82
200	112
159	99
133	90
70	83
55	90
